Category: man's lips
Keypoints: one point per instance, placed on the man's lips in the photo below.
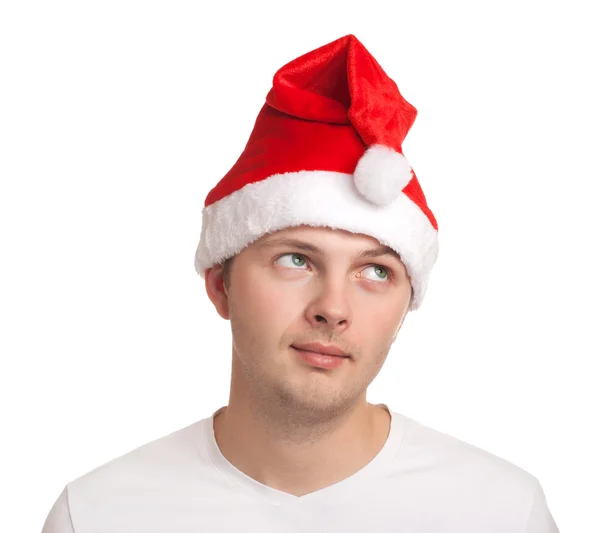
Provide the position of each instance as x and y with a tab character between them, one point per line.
315	347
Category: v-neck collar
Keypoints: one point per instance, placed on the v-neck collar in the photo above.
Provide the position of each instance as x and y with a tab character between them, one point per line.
325	496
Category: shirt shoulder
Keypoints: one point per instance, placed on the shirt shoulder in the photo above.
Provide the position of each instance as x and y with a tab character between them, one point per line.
59	517
142	477
426	447
462	476
450	477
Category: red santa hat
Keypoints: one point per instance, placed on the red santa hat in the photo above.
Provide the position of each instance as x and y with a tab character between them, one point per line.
326	150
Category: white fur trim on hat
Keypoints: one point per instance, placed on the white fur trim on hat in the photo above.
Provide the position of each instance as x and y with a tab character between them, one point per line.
317	198
381	174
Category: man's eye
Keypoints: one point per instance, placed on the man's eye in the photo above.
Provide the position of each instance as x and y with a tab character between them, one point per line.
381	273
294	260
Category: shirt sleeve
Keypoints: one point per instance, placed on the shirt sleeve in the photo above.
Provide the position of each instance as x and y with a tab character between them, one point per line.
540	518
59	517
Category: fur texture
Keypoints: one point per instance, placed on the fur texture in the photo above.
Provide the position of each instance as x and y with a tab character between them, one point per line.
381	174
317	198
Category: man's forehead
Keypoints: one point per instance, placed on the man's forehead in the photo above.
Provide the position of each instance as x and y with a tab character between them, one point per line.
300	237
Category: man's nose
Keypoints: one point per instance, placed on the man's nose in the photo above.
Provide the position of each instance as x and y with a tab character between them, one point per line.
330	305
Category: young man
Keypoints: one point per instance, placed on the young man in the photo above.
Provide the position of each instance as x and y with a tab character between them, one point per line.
315	245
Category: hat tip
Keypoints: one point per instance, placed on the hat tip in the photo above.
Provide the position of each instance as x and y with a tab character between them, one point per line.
381	174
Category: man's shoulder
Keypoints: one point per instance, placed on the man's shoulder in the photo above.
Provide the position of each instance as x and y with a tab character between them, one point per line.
153	474
455	461
155	461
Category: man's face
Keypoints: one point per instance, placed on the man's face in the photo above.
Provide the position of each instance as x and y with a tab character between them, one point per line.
284	293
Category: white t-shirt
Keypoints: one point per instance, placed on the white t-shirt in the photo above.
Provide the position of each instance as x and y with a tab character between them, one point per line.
422	481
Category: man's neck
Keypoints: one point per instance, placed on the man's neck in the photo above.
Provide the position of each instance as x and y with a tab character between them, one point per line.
295	465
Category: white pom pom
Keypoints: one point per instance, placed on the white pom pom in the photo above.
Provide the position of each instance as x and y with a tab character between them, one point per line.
381	174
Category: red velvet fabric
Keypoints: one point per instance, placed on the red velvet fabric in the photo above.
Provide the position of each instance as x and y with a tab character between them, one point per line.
324	110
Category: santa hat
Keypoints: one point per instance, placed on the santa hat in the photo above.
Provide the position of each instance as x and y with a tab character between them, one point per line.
326	151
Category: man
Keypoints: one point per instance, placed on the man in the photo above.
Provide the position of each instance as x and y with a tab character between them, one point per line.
315	245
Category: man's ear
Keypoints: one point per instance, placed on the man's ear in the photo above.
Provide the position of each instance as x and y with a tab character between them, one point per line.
215	288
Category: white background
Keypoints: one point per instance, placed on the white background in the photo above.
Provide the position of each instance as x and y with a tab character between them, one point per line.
117	118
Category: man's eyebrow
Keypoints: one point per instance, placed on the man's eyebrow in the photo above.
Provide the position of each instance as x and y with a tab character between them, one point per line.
365	254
